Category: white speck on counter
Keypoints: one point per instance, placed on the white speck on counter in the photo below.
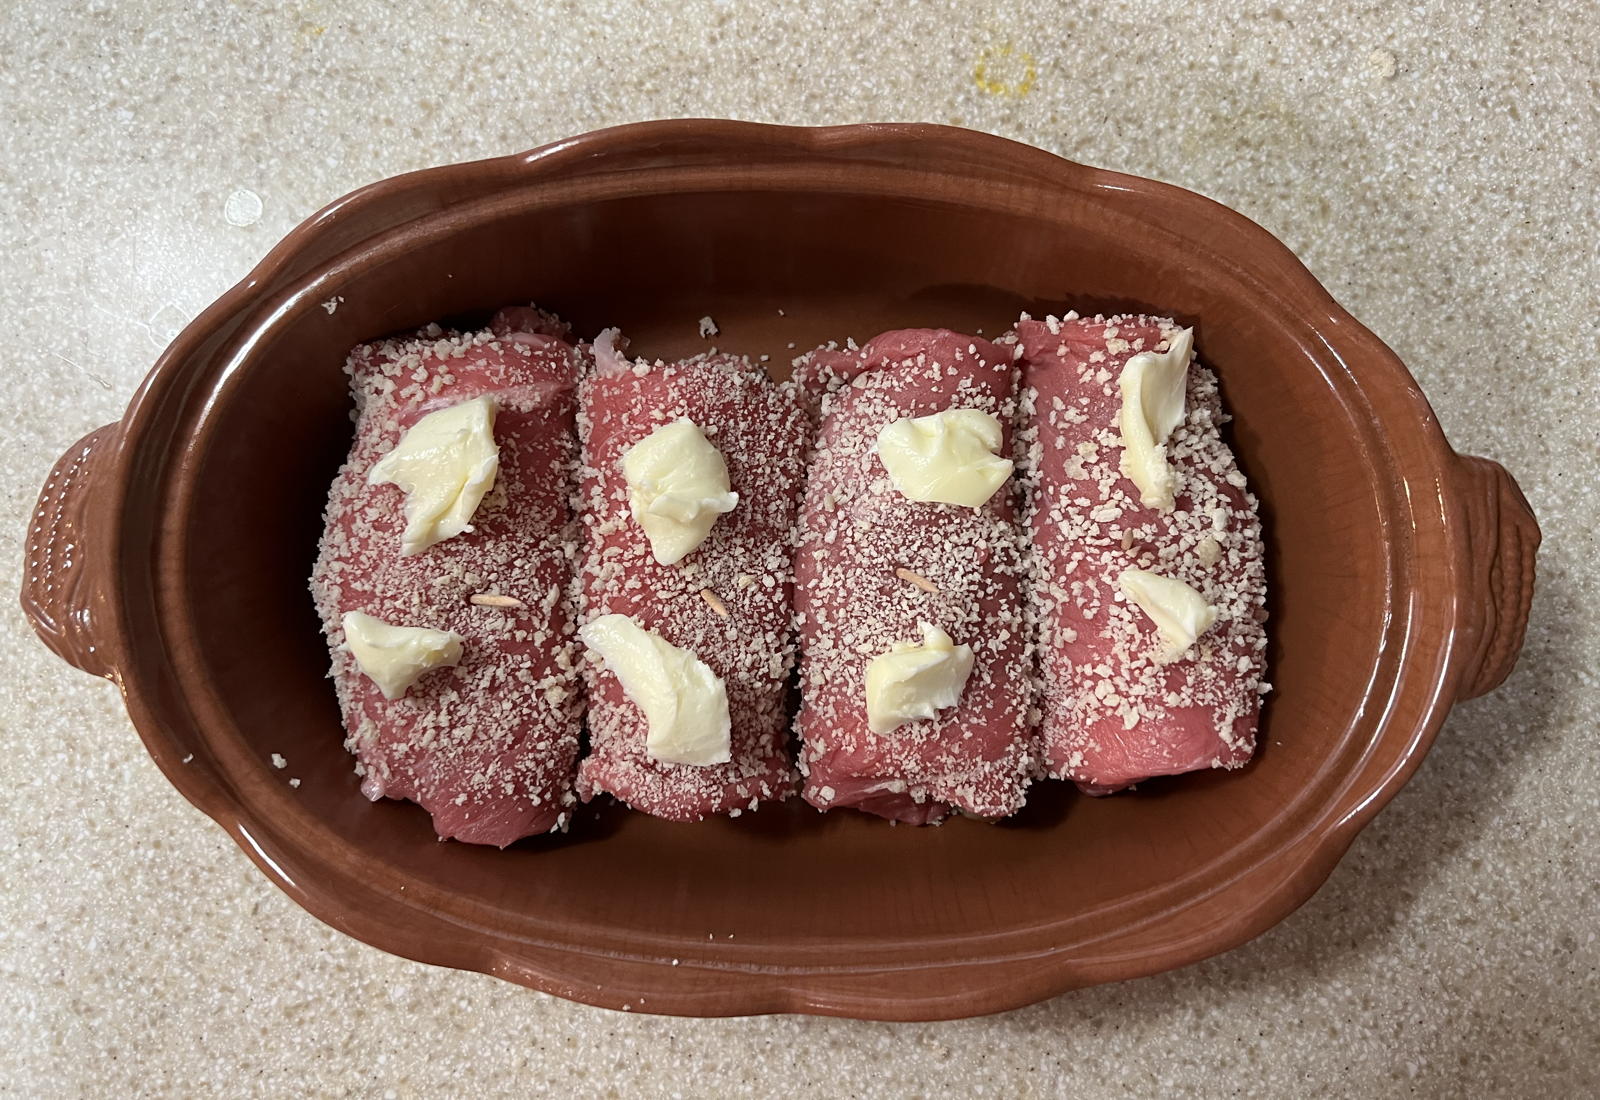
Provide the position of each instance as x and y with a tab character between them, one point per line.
278	761
242	208
164	324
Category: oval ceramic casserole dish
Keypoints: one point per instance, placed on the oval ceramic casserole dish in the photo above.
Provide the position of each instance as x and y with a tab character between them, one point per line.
171	550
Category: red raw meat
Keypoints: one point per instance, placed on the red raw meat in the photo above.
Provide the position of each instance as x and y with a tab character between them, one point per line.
489	747
745	565
859	540
1112	714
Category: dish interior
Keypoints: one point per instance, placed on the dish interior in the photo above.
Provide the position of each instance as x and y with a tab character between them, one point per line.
835	265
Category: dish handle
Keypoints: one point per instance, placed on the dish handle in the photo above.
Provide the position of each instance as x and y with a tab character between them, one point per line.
1502	539
63	594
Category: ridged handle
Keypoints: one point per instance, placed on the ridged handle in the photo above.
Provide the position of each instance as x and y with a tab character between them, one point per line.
1502	537
62	591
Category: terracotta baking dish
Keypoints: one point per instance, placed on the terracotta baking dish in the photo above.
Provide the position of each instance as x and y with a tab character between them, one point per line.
170	553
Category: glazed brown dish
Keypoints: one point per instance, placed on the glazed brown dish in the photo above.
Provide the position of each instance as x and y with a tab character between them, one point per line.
1400	574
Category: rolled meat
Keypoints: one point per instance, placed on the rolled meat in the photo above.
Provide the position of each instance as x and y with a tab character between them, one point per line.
1150	584
700	578
915	667
455	660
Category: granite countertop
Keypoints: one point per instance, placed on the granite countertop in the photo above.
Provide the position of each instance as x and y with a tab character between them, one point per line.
1437	167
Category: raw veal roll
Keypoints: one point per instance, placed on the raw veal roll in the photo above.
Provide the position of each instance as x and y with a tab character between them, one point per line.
483	727
706	572
914	652
1150	583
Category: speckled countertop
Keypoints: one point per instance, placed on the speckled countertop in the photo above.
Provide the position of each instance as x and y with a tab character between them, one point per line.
1438	167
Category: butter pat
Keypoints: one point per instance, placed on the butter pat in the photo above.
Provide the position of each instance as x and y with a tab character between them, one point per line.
685	704
947	458
677	487
916	679
394	657
446	463
1180	613
1152	385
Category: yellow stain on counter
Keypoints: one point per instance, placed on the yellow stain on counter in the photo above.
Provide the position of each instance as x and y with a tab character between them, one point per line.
1005	70
309	22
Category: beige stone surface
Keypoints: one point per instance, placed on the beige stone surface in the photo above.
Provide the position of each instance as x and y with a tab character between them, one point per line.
1437	165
